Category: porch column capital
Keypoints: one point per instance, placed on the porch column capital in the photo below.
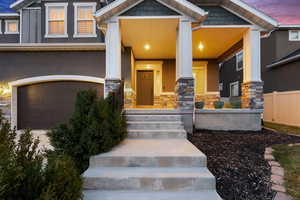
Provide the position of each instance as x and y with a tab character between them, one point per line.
252	56
113	50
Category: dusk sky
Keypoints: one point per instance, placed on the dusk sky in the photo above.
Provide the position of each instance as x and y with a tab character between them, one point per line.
284	11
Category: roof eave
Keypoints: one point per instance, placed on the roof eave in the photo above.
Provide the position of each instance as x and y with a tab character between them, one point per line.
252	14
285	61
117	6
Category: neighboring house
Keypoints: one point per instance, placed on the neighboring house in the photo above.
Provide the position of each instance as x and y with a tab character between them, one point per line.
278	48
167	53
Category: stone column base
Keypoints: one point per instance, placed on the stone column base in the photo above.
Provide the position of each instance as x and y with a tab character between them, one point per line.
253	95
112	85
185	95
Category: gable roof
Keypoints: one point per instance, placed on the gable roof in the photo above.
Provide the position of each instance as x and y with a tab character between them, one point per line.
193	9
294	56
119	6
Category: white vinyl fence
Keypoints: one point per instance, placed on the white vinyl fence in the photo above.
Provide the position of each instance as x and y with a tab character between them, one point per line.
283	108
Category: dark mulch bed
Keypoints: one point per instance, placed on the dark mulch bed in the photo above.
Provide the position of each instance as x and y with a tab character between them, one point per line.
237	161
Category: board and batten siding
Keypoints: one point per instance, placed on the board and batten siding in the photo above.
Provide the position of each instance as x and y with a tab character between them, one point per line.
31	26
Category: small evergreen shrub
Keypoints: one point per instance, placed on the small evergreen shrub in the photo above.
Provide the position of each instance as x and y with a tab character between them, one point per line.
199	105
24	174
236	104
218	104
95	127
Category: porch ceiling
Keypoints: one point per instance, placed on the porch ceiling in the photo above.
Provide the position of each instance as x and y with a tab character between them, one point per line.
160	35
215	41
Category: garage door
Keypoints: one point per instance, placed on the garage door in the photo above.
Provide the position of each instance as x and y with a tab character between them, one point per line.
44	105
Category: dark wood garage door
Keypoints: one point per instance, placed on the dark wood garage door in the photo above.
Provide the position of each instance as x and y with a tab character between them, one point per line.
44	105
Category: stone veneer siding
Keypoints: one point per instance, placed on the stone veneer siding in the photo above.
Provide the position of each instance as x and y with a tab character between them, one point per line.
252	95
185	93
112	85
5	107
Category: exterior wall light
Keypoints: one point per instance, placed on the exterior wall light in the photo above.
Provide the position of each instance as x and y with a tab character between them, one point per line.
5	90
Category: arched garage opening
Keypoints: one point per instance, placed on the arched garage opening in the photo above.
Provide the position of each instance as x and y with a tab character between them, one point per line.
41	103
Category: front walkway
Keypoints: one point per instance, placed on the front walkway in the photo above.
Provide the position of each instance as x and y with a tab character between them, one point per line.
156	162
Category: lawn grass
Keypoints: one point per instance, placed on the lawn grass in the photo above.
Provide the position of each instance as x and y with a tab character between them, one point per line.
289	159
283	128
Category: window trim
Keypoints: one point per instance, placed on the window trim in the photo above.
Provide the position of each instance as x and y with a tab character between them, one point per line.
76	5
290	35
237	63
6	26
65	6
221	87
1	26
238	87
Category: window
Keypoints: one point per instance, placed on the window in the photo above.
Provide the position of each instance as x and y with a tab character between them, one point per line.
294	35
220	86
84	22
234	89
56	20
11	27
239	61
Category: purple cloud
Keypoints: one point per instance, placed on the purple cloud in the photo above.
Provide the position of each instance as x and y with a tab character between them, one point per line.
284	11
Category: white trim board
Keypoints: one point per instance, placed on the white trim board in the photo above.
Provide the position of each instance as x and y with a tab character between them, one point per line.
43	79
76	5
9	15
65	6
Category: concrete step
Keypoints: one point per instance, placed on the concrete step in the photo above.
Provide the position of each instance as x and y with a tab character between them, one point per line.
149	195
157	134
154	179
151	112
161	125
151	153
154	118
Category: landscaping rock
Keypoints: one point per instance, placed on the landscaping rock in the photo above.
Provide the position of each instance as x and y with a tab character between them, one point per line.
269	157
274	163
277	171
278	180
237	161
279	188
282	196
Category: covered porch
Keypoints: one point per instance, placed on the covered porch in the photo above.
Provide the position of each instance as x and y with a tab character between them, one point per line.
167	53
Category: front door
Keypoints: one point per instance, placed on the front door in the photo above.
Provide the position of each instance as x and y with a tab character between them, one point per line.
145	87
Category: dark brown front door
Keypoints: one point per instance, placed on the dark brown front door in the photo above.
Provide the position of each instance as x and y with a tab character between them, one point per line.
145	88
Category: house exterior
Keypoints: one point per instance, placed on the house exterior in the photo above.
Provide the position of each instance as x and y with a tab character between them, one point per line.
166	53
279	61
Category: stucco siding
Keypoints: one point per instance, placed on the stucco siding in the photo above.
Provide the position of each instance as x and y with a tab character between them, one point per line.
19	65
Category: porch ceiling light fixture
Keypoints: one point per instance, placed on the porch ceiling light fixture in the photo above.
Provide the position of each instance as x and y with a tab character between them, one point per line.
201	46
147	47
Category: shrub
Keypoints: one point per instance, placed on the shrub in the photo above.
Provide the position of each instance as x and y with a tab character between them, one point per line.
95	127
200	104
218	104
236	104
22	172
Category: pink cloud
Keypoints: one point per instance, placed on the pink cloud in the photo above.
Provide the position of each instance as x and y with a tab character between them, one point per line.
284	11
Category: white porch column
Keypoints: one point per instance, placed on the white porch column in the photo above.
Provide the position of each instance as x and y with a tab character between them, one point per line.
184	76
113	57
184	54
252	62
252	89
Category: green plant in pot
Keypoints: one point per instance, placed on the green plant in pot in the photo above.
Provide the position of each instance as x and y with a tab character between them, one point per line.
200	105
236	104
218	104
